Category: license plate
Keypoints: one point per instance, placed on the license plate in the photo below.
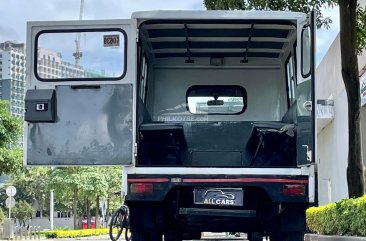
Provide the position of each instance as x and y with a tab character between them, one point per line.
219	196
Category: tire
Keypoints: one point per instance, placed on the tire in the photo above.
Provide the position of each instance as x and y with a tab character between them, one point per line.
115	226
156	236
295	236
143	236
172	236
139	236
255	236
287	236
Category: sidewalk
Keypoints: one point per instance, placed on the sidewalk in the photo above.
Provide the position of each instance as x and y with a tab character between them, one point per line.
316	237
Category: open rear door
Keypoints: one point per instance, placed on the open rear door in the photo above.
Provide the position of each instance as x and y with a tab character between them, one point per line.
305	92
80	92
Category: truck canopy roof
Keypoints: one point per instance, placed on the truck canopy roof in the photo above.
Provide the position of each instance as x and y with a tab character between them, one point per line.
217	14
245	34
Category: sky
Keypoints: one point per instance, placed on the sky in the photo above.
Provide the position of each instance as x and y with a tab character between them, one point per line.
15	13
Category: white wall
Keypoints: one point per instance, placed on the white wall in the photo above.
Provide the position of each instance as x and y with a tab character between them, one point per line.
333	139
44	223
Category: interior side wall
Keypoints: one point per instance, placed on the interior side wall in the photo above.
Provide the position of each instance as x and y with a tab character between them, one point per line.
266	90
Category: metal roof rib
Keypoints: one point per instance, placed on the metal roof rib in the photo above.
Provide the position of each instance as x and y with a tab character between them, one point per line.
188	60
245	59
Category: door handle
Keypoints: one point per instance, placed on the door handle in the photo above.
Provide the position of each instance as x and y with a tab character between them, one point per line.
77	87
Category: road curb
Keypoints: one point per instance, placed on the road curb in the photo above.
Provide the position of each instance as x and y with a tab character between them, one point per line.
316	237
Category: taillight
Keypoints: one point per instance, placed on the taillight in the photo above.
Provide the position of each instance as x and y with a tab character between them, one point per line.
141	188
294	189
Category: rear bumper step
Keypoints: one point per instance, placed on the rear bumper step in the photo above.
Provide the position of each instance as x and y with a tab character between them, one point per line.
218	212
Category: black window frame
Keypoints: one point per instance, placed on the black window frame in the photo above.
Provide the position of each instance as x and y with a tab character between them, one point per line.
238	87
144	77
294	80
305	75
82	30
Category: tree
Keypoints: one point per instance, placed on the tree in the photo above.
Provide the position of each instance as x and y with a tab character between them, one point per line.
352	18
78	188
95	185
10	131
348	11
67	183
31	187
23	212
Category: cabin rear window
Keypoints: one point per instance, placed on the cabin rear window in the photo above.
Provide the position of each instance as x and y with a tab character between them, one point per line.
216	99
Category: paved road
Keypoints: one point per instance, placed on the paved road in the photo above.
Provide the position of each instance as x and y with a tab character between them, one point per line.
205	237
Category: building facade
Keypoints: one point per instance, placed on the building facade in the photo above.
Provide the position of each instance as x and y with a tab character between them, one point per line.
51	66
12	76
333	133
13	71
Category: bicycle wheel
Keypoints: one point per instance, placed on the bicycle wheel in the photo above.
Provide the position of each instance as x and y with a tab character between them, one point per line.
115	226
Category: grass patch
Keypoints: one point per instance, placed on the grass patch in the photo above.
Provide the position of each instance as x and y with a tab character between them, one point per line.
75	233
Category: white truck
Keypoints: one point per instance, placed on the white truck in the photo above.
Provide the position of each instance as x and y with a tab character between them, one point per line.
210	113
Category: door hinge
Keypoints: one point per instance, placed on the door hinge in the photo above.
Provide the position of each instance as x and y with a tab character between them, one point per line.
308	153
137	35
135	150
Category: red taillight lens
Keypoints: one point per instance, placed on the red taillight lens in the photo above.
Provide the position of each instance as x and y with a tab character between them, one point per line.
294	189
142	188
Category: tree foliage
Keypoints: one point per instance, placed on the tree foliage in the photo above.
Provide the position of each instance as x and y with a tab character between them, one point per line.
282	5
296	6
361	29
352	41
10	131
72	186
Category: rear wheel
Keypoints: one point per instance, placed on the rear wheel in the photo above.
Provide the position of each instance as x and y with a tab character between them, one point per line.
255	236
144	236
287	236
172	236
295	236
156	236
139	236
